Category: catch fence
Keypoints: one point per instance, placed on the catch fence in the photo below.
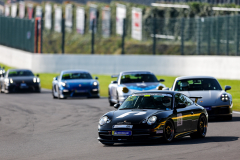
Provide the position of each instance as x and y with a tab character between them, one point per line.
17	33
184	36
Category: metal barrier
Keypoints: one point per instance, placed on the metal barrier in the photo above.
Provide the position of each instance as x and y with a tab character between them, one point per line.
17	33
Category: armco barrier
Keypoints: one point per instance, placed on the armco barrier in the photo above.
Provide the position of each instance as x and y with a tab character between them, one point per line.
226	67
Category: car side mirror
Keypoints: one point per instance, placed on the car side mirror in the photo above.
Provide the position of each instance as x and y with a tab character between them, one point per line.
113	82
96	78
116	105
37	75
227	88
181	105
161	80
55	78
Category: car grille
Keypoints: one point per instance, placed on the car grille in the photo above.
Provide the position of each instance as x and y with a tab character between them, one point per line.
219	110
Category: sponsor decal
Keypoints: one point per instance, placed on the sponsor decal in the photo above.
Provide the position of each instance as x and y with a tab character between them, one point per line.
134	113
179	119
123	126
159	131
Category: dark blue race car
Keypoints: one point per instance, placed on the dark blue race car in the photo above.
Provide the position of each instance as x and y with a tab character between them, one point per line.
75	83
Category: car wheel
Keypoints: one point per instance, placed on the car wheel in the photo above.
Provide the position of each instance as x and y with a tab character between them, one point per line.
168	132
54	97
201	128
117	97
109	99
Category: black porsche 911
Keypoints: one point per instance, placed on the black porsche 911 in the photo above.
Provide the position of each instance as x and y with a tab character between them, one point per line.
153	115
18	80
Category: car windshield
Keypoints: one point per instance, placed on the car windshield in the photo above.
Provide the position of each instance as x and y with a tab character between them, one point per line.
197	85
20	73
138	78
148	101
76	75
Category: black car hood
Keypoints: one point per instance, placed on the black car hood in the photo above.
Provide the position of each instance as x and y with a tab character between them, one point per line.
132	116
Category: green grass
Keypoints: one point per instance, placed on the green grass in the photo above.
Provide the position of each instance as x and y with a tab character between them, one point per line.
104	80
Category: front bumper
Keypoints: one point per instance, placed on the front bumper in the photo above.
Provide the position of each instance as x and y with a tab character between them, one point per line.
218	111
80	93
17	87
138	136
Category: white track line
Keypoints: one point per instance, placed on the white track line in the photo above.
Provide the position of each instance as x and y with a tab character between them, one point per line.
236	112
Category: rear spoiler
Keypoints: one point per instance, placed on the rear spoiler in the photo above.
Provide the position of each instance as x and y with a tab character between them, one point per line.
196	98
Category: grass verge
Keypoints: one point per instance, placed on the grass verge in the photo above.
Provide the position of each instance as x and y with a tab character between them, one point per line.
104	80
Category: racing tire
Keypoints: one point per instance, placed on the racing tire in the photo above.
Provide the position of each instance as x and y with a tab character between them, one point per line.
201	128
168	131
117	97
109	99
54	97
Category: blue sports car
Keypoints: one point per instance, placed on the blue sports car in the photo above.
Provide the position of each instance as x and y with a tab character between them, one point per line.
75	83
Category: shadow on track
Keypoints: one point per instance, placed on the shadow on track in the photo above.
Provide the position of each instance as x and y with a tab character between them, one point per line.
182	141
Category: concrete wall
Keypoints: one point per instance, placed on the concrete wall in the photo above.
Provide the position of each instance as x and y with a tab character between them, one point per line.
226	67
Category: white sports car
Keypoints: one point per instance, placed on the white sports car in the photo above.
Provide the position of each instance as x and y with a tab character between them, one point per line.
132	81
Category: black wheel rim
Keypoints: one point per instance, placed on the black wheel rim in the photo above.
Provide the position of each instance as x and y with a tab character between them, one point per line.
169	131
203	126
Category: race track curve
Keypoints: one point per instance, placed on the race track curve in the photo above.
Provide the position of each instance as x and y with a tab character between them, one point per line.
37	127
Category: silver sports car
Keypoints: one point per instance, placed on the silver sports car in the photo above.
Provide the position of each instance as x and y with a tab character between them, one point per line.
217	101
132	81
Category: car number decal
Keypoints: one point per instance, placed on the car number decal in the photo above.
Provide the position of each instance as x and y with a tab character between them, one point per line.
135	114
179	119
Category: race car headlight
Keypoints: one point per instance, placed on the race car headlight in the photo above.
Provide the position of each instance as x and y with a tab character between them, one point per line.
224	97
63	84
11	80
125	90
104	120
151	120
36	80
95	83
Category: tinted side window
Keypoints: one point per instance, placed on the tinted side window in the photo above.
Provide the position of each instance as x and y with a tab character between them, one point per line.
179	98
189	101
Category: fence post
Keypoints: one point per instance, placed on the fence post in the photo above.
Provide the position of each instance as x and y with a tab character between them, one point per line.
93	32
154	34
36	36
42	25
198	36
227	37
123	35
182	35
237	35
63	35
217	35
209	21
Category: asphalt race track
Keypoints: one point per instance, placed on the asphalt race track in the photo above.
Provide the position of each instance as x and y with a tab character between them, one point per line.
36	127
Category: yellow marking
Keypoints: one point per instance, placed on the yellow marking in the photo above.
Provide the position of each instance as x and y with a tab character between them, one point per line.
185	132
112	132
161	124
147	95
189	115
